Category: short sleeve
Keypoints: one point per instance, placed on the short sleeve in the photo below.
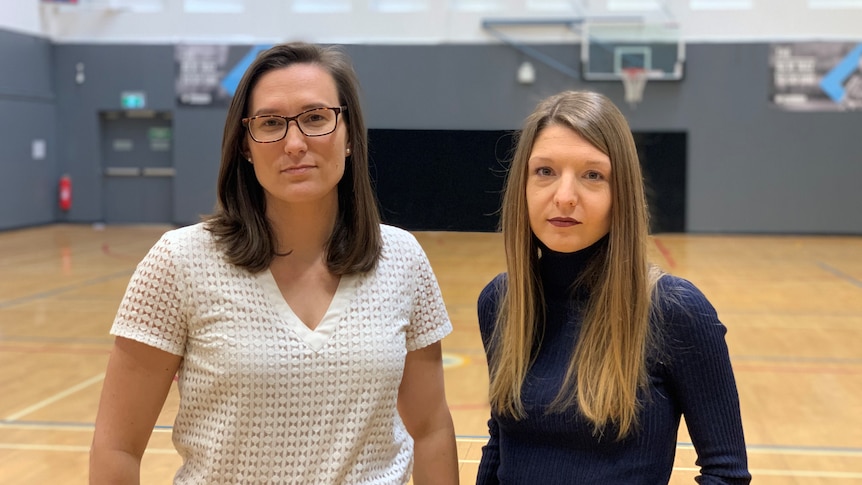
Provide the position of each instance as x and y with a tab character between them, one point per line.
151	311
429	321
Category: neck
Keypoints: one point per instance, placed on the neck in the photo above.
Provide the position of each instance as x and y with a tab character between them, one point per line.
303	230
560	271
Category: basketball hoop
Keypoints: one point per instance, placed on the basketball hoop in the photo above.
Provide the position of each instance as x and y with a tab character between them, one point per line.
634	82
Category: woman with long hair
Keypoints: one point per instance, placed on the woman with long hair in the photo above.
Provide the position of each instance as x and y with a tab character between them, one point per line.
593	353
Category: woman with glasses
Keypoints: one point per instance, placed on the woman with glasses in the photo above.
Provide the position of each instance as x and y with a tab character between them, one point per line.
305	336
594	354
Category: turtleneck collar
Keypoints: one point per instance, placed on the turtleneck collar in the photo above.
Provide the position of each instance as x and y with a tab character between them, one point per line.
558	271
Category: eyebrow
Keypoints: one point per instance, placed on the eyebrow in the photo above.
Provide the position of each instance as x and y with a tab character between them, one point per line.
304	108
540	159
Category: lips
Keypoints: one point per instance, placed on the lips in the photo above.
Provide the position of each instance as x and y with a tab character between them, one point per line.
297	168
563	221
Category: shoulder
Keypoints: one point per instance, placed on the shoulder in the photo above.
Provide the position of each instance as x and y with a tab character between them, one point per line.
188	242
492	291
674	295
186	235
489	303
684	313
397	238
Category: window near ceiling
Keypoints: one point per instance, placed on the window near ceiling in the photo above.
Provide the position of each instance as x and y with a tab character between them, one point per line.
721	4
552	6
214	6
131	5
399	5
321	6
834	4
634	5
477	5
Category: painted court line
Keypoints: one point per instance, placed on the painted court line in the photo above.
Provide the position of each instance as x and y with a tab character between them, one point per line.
73	448
56	397
682	445
167	451
840	274
664	252
790	450
790	473
63	289
63	426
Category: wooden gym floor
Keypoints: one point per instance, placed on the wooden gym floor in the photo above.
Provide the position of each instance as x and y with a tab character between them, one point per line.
793	307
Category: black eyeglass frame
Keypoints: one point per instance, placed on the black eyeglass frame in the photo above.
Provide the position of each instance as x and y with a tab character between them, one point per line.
287	119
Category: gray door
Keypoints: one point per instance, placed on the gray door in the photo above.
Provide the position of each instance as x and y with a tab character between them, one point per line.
137	167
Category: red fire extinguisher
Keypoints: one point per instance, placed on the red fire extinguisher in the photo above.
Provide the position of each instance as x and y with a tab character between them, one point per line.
65	192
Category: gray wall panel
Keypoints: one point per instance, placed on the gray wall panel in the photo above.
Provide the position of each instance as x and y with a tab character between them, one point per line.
197	154
28	187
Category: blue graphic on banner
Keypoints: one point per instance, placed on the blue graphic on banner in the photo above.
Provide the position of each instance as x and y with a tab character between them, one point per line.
817	76
833	82
231	81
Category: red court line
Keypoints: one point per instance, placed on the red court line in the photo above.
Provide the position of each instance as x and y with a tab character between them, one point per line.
664	252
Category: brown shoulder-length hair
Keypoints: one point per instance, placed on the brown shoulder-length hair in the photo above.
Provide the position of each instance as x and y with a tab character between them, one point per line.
608	365
239	222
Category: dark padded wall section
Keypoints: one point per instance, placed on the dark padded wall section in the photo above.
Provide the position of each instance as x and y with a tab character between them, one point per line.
663	162
440	180
28	186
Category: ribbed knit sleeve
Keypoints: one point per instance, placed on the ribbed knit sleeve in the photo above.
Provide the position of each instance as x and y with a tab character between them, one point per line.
487	308
701	378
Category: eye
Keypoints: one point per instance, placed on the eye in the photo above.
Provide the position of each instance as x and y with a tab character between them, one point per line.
271	121
594	175
543	171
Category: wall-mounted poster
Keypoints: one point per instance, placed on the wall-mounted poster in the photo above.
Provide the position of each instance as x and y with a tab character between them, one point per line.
208	75
200	69
817	76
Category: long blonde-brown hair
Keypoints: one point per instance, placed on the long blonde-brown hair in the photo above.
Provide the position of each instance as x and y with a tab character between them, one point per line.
608	365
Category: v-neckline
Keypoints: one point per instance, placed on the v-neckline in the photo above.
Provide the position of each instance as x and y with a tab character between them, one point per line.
318	337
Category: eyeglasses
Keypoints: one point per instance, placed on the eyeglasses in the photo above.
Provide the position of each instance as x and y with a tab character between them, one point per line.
313	122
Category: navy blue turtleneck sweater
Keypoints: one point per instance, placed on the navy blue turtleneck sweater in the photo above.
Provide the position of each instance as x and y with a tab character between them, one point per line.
689	372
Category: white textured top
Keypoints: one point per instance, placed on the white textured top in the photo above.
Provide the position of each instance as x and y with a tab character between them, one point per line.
264	399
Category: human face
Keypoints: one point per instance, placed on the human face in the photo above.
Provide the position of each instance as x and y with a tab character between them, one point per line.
568	190
297	169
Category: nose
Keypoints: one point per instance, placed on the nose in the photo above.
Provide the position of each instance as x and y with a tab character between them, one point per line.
294	140
566	193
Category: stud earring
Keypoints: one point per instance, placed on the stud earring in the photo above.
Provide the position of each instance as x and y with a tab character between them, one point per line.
348	151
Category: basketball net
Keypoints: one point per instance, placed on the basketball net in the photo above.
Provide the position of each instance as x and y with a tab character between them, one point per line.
634	82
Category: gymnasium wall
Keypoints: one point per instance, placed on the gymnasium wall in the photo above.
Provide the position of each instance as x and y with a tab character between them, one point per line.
29	160
751	167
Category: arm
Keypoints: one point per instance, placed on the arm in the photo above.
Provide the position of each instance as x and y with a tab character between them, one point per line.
136	384
487	310
423	408
490	457
706	389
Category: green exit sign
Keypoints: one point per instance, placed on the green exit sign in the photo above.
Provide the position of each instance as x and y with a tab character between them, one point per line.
133	100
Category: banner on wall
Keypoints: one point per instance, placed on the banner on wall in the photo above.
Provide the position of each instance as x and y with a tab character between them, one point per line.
200	69
208	75
817	76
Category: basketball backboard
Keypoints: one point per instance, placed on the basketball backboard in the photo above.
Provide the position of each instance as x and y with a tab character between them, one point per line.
609	48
